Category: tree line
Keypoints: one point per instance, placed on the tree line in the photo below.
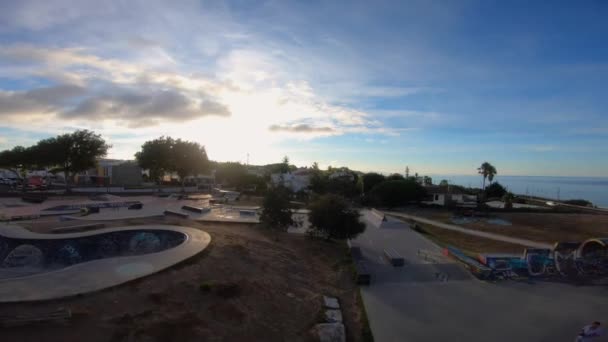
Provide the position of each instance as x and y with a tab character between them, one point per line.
76	152
69	153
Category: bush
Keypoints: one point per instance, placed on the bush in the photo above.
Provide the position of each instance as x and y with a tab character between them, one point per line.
228	290
276	212
370	180
332	216
393	193
580	202
495	190
205	287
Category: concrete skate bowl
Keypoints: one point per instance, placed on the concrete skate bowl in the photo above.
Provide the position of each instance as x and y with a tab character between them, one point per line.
593	256
42	266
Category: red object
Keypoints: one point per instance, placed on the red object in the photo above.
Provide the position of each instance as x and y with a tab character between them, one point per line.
35	181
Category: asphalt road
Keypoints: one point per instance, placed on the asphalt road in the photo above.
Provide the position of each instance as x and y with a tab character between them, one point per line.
416	303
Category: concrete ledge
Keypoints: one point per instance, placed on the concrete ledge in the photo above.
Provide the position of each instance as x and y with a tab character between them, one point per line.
378	214
76	228
394	258
196	209
175	213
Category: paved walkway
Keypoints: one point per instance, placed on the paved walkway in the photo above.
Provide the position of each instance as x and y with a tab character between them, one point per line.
413	303
491	236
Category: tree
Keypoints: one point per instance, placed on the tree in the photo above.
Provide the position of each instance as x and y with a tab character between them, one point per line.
318	181
342	186
166	155
495	190
508	200
395	176
370	180
444	183
487	170
155	156
407	172
71	153
393	193
284	165
230	173
17	159
276	213
427	180
332	216
188	159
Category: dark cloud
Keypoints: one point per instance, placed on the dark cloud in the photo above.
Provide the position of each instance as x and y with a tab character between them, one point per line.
137	106
40	100
301	128
210	107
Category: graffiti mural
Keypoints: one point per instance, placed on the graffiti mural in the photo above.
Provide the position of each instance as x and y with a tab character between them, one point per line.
144	242
51	254
566	259
24	256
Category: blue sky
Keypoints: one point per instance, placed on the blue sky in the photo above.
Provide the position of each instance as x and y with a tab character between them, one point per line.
439	86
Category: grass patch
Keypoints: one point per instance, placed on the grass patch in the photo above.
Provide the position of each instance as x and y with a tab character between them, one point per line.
366	330
469	244
205	287
228	290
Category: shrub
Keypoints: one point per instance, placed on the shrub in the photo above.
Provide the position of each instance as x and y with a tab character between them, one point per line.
333	217
393	193
205	287
495	190
580	202
276	212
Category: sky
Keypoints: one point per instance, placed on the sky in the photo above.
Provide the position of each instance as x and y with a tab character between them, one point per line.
438	86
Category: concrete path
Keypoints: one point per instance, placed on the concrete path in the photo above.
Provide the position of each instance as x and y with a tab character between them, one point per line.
416	303
491	236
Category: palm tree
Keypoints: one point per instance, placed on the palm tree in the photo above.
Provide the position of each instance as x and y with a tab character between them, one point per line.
488	171
508	200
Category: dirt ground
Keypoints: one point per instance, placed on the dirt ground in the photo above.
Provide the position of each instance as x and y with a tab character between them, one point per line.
543	227
249	285
467	243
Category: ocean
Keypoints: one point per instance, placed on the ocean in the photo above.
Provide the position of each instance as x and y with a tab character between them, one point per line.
594	189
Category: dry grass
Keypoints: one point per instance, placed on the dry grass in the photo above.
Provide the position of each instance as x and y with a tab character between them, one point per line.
249	285
468	243
542	227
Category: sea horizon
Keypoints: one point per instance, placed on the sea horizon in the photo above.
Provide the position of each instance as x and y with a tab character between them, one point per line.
590	188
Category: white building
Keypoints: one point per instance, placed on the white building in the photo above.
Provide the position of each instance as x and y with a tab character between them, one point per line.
449	196
297	180
343	174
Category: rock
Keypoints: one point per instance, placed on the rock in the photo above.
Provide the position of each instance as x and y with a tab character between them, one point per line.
330	332
333	316
331	302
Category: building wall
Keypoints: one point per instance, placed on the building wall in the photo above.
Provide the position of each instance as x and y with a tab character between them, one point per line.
438	199
126	174
295	182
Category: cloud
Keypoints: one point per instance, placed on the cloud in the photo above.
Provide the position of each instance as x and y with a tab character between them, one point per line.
36	101
301	128
211	107
137	106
